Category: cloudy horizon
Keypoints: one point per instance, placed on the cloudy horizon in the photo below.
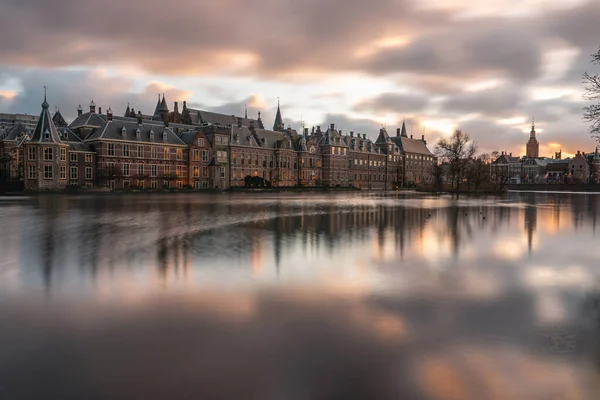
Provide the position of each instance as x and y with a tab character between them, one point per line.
487	69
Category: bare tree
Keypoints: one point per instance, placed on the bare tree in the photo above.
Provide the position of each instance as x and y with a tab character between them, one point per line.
437	175
457	151
591	113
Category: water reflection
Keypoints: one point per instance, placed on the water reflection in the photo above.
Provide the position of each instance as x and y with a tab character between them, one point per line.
299	296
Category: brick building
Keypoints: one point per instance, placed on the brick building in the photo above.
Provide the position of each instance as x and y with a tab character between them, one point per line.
202	150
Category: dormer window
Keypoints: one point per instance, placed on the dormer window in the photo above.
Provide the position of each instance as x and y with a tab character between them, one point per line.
47	135
152	135
123	132
138	133
165	137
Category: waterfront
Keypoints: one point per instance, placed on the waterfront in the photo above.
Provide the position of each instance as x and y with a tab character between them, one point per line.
299	296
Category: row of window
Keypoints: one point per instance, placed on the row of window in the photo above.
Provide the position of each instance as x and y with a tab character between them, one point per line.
138	151
128	169
419	157
48	172
371	163
196	154
340	151
221	140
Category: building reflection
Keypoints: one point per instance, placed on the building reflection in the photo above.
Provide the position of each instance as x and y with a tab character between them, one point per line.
116	240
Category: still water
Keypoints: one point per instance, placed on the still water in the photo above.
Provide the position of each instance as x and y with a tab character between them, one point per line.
300	296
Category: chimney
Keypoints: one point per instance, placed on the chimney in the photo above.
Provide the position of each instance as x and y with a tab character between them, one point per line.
99	110
184	104
510	155
411	136
79	110
332	126
306	131
139	117
318	128
364	135
340	131
398	132
351	133
239	122
502	153
109	114
92	107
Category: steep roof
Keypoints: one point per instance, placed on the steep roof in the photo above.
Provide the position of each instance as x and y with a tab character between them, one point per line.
383	137
243	136
132	131
278	125
58	119
157	108
332	137
88	120
201	116
413	146
17	132
45	130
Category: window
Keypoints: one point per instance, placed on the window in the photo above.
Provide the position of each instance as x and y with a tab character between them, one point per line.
200	142
31	155
222	156
125	169
88	173
224	141
333	150
153	170
72	156
196	172
140	170
205	172
196	185
48	171
167	170
111	168
63	155
48	155
73	173
222	172
153	185
196	155
179	154
167	153
179	185
88	158
125	150
111	149
204	155
31	171
179	171
153	152
204	185
140	151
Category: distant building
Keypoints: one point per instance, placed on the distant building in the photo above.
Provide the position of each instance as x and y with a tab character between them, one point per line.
579	170
533	146
508	168
418	159
8	121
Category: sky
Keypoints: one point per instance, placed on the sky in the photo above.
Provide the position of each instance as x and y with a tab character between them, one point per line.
487	68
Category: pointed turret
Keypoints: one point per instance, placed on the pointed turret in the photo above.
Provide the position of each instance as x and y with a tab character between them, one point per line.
260	122
156	113
403	131
278	125
59	120
127	111
163	110
45	130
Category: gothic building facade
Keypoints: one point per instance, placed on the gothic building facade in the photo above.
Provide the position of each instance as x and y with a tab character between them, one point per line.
202	150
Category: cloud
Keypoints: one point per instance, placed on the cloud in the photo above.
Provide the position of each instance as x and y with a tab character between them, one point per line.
392	102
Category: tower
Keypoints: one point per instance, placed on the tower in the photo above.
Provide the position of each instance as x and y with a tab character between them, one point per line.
533	146
163	110
45	155
278	125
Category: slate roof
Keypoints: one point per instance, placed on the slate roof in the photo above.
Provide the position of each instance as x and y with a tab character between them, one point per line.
507	159
128	130
259	138
89	119
201	116
16	132
59	120
359	143
45	130
383	137
332	137
413	146
278	125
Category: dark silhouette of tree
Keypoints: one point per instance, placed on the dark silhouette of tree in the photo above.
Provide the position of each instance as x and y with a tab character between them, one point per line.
591	113
457	151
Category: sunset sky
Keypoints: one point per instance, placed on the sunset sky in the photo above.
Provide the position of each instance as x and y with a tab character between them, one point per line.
485	67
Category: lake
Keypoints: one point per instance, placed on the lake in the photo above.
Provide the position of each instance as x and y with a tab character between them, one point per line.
300	296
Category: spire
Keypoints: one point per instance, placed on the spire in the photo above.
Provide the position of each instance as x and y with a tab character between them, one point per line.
278	125
532	133
156	109
163	105
596	156
45	130
127	111
246	111
403	132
